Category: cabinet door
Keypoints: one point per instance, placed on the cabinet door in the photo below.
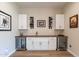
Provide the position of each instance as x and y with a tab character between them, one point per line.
59	21
36	44
62	21
23	42
29	43
18	43
62	43
52	43
43	43
22	21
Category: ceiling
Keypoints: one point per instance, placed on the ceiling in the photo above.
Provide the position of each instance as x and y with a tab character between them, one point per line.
41	4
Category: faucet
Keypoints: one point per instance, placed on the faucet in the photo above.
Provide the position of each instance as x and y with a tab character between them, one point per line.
36	33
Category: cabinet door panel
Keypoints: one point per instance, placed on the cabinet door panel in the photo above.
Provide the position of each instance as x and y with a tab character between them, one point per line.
62	22
29	44
36	44
20	22
22	19
52	43
23	43
44	43
18	43
59	21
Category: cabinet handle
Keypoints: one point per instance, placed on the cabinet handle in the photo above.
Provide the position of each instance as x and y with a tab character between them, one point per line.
59	26
21	26
32	42
40	43
48	42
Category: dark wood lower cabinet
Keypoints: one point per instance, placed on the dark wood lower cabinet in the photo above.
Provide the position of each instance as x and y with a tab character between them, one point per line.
62	43
20	43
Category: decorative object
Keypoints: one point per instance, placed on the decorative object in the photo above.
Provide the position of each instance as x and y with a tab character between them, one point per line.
50	22
5	21
74	21
41	23
31	22
21	33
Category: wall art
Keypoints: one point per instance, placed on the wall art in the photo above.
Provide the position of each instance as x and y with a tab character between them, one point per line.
74	21
41	23
5	21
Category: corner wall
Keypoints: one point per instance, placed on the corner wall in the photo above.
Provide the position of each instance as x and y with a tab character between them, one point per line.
7	38
72	33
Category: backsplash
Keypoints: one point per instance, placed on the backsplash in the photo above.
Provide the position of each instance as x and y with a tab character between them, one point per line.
42	32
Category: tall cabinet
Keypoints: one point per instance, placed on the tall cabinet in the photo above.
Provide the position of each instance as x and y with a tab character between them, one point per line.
59	21
22	19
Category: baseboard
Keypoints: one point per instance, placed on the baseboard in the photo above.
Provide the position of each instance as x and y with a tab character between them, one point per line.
72	53
10	53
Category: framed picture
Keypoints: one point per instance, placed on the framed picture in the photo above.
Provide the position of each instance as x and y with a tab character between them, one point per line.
5	21
41	23
74	21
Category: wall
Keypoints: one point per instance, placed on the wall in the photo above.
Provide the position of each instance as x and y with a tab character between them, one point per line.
73	34
7	38
40	13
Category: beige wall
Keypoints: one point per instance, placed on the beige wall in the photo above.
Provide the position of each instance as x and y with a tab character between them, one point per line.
40	13
7	38
73	34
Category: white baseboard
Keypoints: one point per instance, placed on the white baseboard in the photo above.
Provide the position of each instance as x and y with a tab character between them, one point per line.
72	53
10	53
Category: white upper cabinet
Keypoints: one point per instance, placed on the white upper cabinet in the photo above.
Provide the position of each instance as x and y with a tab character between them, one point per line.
22	19
59	21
